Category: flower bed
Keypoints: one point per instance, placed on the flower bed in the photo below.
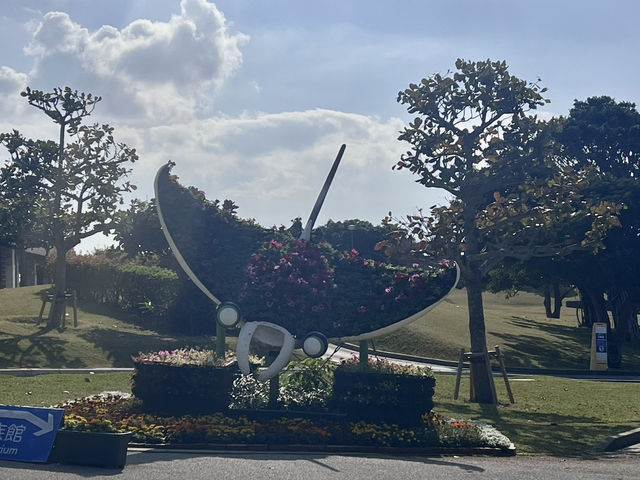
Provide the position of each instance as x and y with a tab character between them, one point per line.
183	381
125	414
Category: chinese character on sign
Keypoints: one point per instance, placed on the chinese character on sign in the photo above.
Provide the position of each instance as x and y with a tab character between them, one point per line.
14	433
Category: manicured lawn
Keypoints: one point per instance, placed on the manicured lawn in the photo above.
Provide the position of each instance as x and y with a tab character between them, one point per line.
102	338
518	325
551	416
47	390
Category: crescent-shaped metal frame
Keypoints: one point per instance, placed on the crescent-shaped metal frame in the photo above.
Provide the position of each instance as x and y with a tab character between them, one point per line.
181	261
398	324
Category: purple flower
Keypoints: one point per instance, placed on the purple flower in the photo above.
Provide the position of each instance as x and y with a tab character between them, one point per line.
362	309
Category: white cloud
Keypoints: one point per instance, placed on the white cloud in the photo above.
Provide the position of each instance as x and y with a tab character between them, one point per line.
273	165
11	82
150	70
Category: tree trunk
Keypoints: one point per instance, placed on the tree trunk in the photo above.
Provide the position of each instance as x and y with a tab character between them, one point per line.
594	307
58	306
625	317
547	301
557	300
483	385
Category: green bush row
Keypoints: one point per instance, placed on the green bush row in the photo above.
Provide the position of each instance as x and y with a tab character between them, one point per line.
148	289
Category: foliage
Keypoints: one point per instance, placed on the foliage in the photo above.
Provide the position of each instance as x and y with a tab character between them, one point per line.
472	138
123	414
185	356
307	384
187	380
76	185
355	234
294	285
110	279
78	423
285	278
138	233
302	286
382	365
604	134
304	385
383	392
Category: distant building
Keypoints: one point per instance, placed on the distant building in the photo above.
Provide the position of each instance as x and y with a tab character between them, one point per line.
21	268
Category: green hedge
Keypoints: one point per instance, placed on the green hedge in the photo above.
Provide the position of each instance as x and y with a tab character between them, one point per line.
183	389
129	286
382	397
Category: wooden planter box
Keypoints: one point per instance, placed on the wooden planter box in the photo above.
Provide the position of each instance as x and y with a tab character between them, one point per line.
96	449
178	390
382	397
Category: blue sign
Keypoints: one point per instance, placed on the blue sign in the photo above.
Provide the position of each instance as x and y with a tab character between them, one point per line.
27	433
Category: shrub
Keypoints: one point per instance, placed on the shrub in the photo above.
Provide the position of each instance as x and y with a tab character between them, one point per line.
183	381
111	280
383	391
304	385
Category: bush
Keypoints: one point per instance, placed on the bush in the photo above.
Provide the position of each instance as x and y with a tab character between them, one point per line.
185	381
105	279
304	385
383	392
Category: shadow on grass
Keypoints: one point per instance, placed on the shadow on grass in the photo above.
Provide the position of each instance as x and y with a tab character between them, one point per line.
147	322
120	346
541	433
561	347
35	350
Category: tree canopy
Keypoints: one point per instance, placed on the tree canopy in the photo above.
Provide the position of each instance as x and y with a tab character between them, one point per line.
75	182
510	197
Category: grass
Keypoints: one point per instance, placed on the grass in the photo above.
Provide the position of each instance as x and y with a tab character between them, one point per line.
102	338
518	325
48	390
551	416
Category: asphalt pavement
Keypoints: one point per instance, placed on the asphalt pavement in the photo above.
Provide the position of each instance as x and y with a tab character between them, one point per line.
169	465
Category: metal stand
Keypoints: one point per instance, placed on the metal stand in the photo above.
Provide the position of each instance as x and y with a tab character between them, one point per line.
51	298
467	356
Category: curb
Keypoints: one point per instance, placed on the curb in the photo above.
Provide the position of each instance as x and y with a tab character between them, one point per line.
620	441
329	449
32	372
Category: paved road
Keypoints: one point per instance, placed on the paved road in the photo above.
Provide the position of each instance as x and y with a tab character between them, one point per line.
153	465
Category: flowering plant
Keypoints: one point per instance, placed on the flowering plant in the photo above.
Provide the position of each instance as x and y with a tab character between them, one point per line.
382	365
304	286
289	280
121	413
185	356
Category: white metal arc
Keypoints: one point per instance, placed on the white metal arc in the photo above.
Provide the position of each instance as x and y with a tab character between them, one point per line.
176	252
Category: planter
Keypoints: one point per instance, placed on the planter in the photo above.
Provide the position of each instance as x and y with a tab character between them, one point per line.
177	390
96	449
382	397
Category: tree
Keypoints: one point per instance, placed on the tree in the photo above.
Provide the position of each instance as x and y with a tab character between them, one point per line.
472	138
138	232
355	234
604	135
78	179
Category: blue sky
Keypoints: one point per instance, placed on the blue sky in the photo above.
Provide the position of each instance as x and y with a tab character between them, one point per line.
252	99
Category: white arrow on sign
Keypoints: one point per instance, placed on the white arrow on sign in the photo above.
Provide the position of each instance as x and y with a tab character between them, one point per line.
44	426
